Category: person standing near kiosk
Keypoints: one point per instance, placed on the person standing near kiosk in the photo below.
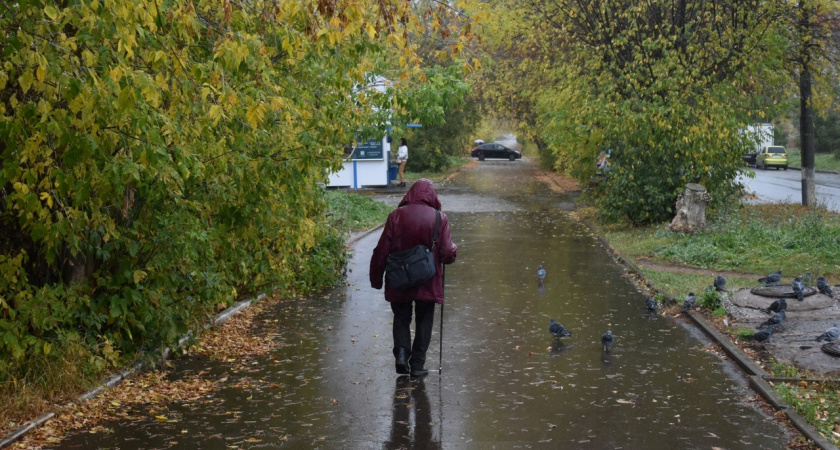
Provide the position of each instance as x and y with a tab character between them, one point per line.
402	158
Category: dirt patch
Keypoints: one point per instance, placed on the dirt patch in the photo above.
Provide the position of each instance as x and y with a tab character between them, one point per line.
558	182
645	263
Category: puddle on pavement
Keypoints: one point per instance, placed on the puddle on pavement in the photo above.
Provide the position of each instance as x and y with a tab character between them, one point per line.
505	380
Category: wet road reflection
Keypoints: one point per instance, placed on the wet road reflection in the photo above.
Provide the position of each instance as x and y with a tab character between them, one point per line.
506	381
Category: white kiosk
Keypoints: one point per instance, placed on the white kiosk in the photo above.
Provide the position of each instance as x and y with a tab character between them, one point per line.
367	165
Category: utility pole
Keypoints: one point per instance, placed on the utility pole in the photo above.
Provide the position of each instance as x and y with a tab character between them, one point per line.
806	104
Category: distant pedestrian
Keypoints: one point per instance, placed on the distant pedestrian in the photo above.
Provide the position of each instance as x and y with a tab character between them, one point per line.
411	224
402	158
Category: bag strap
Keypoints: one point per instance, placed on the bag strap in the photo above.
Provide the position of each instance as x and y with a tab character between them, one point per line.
437	225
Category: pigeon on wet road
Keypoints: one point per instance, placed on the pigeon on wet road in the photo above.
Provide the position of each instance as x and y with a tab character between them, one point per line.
558	330
775	320
776	306
824	287
720	283
540	274
763	335
830	334
607	339
798	288
651	304
772	278
689	302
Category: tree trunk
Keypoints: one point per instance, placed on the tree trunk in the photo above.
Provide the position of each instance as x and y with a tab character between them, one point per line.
78	268
691	209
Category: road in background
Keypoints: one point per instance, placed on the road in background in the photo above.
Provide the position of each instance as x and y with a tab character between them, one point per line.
777	186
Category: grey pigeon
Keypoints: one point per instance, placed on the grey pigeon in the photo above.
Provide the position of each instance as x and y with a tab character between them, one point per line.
824	287
774	320
540	274
558	330
720	283
772	278
651	303
798	288
689	302
763	335
830	334
607	339
776	306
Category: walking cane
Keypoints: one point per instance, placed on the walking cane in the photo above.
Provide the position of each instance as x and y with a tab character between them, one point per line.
440	363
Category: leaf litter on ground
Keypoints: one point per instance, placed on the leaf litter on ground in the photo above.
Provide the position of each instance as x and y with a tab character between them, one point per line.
146	396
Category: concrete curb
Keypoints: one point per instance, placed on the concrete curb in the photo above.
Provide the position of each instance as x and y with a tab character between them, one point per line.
20	432
757	376
747	364
810	432
117	378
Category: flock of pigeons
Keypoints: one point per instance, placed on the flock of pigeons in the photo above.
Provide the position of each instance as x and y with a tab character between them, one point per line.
777	309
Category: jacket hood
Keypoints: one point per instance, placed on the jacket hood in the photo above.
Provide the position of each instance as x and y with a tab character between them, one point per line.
422	191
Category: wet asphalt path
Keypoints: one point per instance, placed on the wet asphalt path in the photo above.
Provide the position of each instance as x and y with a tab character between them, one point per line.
506	383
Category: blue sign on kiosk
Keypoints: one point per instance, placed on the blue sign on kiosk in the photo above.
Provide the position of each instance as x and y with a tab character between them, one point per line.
370	149
366	165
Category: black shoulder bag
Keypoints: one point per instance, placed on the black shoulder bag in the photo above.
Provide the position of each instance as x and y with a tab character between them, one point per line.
413	267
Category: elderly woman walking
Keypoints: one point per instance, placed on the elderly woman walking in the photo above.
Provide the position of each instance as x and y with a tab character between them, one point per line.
411	224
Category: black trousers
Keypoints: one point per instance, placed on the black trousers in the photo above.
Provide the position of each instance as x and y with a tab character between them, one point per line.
424	318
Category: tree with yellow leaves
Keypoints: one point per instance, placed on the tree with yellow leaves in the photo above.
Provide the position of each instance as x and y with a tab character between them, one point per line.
161	157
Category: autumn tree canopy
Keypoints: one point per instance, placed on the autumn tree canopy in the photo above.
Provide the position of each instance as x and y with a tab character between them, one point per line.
667	86
161	157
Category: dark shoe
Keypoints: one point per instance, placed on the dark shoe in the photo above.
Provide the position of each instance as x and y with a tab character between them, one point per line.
401	184
421	372
401	365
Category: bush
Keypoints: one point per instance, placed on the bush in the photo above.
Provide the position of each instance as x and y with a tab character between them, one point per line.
426	159
710	300
827	134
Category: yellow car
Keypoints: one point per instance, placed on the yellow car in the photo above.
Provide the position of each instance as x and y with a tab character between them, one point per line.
772	156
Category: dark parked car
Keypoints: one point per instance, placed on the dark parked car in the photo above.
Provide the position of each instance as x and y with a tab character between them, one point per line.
494	150
749	158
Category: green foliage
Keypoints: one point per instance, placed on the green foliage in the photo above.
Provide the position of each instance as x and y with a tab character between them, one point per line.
781	370
350	212
780	136
757	240
666	97
163	158
709	299
762	241
422	158
822	161
817	403
827	136
744	333
431	146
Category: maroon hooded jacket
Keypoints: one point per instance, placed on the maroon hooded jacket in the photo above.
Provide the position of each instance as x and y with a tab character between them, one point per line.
412	223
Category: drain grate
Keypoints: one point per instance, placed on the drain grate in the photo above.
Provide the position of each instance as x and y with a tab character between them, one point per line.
832	349
781	290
